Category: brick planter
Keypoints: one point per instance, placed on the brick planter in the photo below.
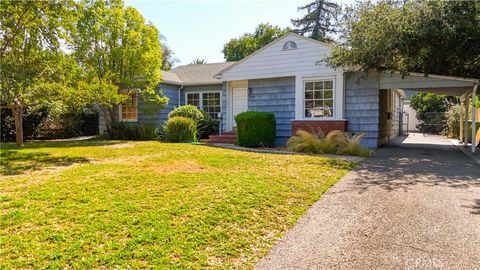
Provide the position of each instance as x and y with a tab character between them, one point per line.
316	125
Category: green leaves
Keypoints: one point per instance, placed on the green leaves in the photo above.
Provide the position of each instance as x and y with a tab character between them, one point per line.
437	37
239	48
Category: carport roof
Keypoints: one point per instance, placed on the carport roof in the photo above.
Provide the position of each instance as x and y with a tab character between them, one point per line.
449	85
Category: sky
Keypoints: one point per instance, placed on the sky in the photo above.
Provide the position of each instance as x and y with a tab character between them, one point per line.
199	29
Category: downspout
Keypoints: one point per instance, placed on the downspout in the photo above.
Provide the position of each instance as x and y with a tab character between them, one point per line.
179	95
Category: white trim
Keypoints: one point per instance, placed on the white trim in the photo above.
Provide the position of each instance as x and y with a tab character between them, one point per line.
200	99
219	74
120	119
334	97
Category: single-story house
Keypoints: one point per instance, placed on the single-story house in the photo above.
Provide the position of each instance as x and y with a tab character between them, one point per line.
290	78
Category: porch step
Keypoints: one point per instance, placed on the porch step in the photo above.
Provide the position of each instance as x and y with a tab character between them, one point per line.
227	137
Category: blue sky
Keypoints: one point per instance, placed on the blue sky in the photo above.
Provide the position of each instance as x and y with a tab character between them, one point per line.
199	29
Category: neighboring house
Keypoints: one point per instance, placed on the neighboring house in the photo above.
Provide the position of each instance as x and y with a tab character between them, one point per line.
289	78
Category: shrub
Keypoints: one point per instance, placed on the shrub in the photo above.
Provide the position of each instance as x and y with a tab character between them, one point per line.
180	129
31	122
128	131
207	126
336	142
188	111
255	129
453	121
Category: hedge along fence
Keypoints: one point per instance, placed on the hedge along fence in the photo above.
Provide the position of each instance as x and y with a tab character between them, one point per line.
256	129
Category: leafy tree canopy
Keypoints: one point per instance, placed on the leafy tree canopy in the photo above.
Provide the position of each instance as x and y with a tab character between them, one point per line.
35	71
319	21
436	37
239	48
119	51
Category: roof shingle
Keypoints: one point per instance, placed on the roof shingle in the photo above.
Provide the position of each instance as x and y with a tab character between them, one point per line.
195	74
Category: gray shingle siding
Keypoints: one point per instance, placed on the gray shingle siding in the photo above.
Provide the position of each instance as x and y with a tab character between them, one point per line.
361	105
275	95
151	114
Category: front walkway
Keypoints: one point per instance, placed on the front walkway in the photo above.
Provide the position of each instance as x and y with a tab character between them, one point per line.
414	205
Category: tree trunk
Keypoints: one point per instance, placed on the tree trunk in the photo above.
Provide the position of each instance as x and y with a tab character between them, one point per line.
18	117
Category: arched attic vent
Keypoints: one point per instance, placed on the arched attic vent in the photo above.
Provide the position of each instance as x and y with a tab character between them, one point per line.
289	45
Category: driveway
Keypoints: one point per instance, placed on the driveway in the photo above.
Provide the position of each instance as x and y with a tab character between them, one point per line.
414	205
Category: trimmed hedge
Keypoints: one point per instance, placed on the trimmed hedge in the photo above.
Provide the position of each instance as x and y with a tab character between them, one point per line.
256	129
180	129
130	131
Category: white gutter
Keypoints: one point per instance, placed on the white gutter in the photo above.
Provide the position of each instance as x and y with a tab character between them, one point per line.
179	95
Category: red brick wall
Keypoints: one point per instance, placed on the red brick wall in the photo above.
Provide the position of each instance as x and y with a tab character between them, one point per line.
317	125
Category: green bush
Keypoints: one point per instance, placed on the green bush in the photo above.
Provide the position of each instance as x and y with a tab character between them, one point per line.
207	126
180	129
255	129
336	142
188	111
129	131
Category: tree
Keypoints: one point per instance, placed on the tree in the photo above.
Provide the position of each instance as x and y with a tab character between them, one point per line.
199	61
239	48
120	52
319	21
432	37
431	110
35	72
168	56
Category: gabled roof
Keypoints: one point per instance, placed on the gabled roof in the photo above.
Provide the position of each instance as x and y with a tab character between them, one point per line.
170	78
287	35
195	74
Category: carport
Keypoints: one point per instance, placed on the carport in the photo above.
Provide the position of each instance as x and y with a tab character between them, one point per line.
465	88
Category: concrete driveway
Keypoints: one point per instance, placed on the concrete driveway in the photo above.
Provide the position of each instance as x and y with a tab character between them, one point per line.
414	205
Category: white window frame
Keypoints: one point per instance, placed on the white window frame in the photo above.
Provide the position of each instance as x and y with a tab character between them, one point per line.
201	98
334	88
136	113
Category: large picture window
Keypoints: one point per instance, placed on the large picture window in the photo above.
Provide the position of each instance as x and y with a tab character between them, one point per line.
318	98
207	101
129	108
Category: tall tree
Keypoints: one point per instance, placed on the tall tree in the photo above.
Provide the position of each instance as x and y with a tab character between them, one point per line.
199	61
239	48
436	37
34	69
120	52
319	21
168	56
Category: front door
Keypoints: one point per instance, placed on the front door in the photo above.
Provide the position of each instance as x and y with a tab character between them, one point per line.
239	102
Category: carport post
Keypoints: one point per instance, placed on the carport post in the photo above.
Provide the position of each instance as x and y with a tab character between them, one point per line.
465	124
474	117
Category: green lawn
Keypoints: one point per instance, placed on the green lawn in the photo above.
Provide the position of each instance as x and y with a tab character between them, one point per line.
105	204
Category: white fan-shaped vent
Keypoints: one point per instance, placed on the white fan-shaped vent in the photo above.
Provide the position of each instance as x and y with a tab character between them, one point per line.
289	45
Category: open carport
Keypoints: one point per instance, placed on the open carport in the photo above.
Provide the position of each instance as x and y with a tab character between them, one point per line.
465	88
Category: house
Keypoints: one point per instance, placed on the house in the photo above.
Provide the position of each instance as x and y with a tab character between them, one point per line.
290	78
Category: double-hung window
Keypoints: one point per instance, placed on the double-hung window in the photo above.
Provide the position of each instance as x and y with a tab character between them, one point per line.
129	108
318	98
209	102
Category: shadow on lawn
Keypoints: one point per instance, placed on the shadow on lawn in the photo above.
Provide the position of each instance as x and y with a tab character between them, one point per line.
61	144
14	162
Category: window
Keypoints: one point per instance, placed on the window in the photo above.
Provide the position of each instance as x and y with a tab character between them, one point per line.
211	103
318	98
129	108
193	99
207	101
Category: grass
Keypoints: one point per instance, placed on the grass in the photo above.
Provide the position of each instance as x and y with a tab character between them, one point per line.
107	204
